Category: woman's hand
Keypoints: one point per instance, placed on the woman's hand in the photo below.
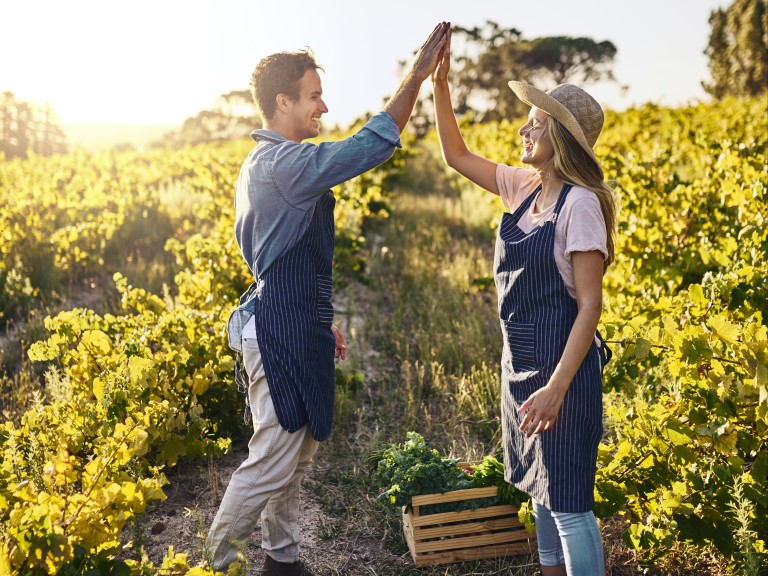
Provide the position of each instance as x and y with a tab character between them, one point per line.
341	344
443	61
541	409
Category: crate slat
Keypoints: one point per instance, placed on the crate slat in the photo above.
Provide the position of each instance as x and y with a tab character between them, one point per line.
469	542
464	515
471	528
455	496
472	554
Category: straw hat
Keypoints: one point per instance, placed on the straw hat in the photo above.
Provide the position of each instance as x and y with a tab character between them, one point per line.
581	115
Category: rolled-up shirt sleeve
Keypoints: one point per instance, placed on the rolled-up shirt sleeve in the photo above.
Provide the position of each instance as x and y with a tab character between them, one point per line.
302	171
584	225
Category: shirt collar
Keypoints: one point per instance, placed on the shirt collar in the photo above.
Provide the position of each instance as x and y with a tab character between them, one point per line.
261	135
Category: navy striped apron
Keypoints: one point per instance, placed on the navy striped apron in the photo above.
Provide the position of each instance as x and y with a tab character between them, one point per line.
556	467
293	314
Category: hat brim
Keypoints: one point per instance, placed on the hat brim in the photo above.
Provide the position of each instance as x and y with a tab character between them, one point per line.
535	97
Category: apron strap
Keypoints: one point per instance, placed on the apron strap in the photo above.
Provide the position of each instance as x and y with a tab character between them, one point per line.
605	352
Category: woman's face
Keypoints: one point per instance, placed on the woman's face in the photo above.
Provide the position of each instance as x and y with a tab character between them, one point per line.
537	147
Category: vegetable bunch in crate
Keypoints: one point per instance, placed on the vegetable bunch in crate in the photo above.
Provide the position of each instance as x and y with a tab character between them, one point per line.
453	511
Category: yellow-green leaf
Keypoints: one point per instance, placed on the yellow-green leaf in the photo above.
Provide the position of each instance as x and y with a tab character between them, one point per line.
642	347
96	342
98	388
761	376
726	444
139	368
721	326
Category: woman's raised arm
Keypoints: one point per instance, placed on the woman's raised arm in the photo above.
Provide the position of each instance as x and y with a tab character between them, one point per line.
479	170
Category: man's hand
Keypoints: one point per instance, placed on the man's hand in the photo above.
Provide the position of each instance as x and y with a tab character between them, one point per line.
341	344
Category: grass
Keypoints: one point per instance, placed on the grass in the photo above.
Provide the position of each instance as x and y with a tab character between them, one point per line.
440	330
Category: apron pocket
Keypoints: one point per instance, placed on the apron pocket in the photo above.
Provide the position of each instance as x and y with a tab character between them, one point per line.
324	294
521	341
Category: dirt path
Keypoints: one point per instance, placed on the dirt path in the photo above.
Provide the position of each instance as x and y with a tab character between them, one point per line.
194	493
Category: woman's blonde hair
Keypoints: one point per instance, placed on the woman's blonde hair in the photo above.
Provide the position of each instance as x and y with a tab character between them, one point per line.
572	164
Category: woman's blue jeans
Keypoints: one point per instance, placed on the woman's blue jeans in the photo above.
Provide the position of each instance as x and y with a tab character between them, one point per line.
571	539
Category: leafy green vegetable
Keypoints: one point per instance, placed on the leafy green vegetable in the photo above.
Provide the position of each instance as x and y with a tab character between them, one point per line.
490	472
413	469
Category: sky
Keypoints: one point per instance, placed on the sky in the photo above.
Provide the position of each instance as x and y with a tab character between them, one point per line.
147	62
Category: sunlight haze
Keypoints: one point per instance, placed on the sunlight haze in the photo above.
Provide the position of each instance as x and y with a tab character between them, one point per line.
155	62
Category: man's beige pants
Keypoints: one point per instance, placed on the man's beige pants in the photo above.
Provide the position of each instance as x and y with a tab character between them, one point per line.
266	485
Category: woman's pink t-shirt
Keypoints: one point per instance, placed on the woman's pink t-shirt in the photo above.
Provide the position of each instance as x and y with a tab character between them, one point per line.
580	226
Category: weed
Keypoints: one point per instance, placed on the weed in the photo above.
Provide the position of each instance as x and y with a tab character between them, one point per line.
750	555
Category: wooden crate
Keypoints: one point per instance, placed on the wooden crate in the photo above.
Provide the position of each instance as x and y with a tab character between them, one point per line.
443	538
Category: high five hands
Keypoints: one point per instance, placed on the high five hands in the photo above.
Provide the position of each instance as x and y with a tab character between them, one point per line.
429	53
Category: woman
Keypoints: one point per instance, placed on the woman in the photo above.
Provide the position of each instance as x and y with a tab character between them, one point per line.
552	249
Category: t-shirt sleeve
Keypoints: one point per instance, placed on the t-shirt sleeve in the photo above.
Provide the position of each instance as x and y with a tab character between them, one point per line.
515	184
585	226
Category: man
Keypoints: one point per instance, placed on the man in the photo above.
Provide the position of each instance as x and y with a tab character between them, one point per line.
285	230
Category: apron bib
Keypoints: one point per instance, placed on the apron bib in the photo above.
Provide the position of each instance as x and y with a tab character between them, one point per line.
293	313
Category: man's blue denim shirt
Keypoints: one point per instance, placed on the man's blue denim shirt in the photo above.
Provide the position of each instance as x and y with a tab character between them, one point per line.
280	182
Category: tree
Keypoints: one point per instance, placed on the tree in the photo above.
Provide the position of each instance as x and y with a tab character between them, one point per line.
27	127
486	58
234	115
492	57
565	59
504	55
49	137
738	49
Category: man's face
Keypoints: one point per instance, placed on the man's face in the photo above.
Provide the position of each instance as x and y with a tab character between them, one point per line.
306	111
